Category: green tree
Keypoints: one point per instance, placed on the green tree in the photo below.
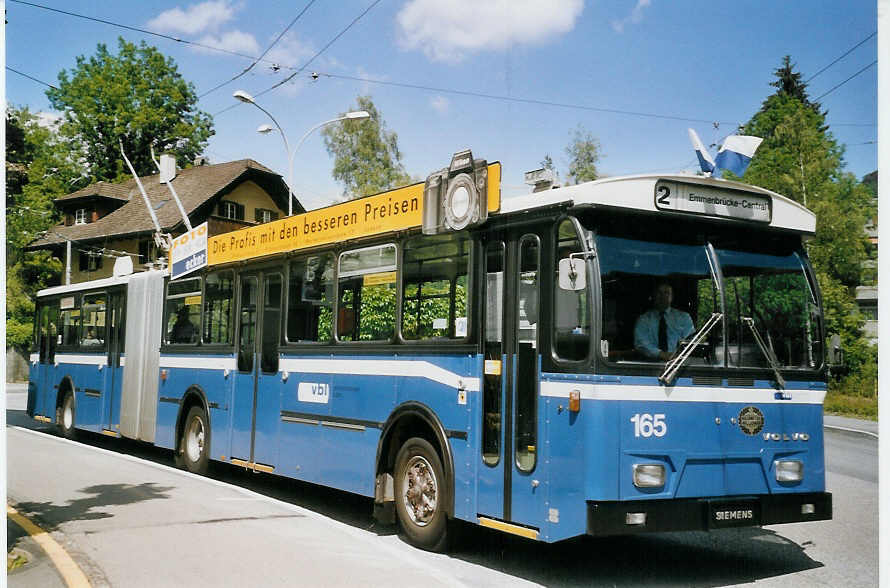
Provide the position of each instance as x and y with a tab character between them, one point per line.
584	153
790	83
137	96
801	159
547	162
40	168
366	155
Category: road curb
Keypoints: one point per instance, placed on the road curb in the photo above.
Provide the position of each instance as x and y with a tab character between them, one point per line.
850	430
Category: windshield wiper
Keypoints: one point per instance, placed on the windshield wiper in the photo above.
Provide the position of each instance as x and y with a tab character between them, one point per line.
767	352
674	364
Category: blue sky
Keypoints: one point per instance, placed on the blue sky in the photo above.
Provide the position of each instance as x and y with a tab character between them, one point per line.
682	59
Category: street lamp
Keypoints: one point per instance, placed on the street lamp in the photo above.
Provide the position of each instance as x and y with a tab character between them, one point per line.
243	96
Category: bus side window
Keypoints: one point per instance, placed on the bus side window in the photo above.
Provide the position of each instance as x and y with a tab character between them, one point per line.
571	317
435	301
310	300
183	312
48	331
219	296
93	328
69	322
367	286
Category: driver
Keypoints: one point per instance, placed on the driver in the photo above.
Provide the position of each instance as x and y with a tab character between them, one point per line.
659	330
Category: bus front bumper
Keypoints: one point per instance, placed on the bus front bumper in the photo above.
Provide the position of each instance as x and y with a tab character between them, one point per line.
705	514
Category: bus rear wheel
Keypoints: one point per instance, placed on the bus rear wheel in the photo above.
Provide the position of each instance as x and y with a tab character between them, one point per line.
65	417
195	443
420	489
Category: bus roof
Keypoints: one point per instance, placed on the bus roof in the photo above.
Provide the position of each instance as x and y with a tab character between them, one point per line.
89	285
698	195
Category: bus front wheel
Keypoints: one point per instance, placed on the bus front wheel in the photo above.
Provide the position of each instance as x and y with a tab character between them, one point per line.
195	443
420	495
65	416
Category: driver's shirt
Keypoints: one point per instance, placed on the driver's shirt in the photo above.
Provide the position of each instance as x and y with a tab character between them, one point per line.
679	325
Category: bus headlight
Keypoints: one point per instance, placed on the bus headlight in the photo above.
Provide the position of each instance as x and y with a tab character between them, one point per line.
648	475
789	470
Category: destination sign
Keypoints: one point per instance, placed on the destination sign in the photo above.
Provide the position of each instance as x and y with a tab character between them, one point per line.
712	201
395	210
189	252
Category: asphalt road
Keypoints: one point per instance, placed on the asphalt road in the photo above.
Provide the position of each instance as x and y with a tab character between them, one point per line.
129	519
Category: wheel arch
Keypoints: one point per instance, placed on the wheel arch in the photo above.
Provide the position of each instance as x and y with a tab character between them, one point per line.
66	384
415	419
194	396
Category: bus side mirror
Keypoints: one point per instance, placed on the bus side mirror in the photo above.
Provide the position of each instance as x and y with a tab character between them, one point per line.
571	274
835	354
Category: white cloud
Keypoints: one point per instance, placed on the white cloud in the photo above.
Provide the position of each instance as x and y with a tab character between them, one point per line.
446	30
198	18
440	104
636	16
237	41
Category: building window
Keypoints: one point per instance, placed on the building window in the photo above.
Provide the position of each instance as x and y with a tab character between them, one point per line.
231	210
80	216
90	262
264	215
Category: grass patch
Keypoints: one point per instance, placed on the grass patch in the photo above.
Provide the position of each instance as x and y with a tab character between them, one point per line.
861	407
15	560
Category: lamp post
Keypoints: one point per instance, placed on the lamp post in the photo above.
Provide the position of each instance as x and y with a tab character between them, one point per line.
243	96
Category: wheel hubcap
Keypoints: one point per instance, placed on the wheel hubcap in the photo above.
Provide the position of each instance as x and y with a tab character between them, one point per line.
420	490
194	443
68	415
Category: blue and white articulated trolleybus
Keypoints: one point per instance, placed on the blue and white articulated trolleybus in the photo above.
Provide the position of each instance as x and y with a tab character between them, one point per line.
634	354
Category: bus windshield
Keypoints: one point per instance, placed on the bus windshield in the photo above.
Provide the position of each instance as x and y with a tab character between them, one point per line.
658	291
768	297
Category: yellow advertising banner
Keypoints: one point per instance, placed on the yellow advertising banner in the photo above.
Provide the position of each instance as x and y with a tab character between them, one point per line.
395	210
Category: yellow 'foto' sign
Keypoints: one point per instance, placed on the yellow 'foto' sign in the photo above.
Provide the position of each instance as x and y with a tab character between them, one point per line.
395	210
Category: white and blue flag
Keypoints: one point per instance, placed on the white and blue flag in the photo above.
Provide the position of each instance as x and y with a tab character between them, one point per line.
704	158
736	154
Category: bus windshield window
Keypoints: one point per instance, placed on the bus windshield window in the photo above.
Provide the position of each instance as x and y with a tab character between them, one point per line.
366	307
655	295
435	301
183	311
769	293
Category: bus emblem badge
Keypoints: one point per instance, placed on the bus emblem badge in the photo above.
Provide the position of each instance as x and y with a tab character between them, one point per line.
751	420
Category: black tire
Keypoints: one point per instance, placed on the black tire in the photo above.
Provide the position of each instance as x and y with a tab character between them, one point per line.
65	417
421	491
194	446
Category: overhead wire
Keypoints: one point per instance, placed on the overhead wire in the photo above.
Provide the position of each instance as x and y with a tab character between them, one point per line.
845	81
31	77
850	50
515	99
135	29
258	59
313	58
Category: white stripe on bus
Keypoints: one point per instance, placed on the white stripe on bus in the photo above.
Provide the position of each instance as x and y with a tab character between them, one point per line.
680	393
197	362
321	365
380	367
71	358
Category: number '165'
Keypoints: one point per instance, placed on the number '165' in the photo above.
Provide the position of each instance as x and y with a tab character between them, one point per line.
646	425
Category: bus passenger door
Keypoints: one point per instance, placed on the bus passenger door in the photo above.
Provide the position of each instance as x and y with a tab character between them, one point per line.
256	407
115	335
45	401
510	477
